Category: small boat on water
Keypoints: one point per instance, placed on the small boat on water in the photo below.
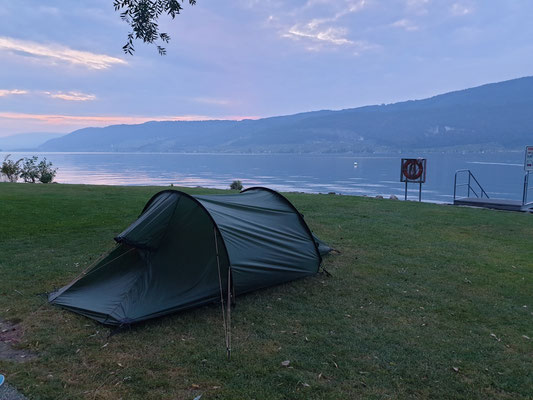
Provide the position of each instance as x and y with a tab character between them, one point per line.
355	164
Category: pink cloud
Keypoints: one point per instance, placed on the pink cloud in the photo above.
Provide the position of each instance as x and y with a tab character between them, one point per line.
59	54
11	92
13	123
71	96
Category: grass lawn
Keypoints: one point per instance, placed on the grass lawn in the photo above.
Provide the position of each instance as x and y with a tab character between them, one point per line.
426	301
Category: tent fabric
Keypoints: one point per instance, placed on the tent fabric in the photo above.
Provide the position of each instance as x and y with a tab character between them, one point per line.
182	250
323	248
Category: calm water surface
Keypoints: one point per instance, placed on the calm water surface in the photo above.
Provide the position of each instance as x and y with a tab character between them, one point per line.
501	174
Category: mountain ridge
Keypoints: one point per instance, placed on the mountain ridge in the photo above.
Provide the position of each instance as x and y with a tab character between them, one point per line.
490	116
25	141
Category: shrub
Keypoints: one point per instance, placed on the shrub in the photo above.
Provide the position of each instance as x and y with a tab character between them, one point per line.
236	185
30	170
11	169
46	172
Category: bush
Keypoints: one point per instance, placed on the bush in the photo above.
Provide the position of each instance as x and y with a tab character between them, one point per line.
11	169
30	170
46	172
236	185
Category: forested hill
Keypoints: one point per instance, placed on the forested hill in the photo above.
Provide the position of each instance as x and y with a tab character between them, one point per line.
493	116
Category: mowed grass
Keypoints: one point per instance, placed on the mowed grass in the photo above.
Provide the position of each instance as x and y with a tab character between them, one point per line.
425	301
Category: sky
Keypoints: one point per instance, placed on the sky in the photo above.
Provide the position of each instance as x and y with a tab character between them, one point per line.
62	67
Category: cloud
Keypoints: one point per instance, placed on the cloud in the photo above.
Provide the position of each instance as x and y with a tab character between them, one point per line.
48	10
10	92
12	123
418	7
59	54
261	3
417	3
210	100
58	119
331	35
96	120
458	9
71	96
319	32
405	24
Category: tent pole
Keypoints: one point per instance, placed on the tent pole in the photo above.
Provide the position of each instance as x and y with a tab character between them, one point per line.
221	292
229	314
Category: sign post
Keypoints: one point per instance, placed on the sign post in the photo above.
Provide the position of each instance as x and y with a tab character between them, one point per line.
414	170
528	167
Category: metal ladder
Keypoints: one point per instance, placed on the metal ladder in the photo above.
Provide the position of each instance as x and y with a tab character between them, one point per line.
471	179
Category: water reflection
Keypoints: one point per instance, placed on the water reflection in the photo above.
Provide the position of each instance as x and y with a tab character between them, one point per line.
499	173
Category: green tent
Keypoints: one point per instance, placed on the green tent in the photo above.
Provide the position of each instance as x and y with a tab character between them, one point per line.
184	251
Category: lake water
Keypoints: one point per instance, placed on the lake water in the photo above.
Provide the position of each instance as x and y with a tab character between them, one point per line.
501	174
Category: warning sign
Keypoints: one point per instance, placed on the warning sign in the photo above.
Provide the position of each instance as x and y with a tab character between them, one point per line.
528	164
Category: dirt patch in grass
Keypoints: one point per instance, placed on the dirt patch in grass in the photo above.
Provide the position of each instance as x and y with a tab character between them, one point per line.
10	335
8	392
